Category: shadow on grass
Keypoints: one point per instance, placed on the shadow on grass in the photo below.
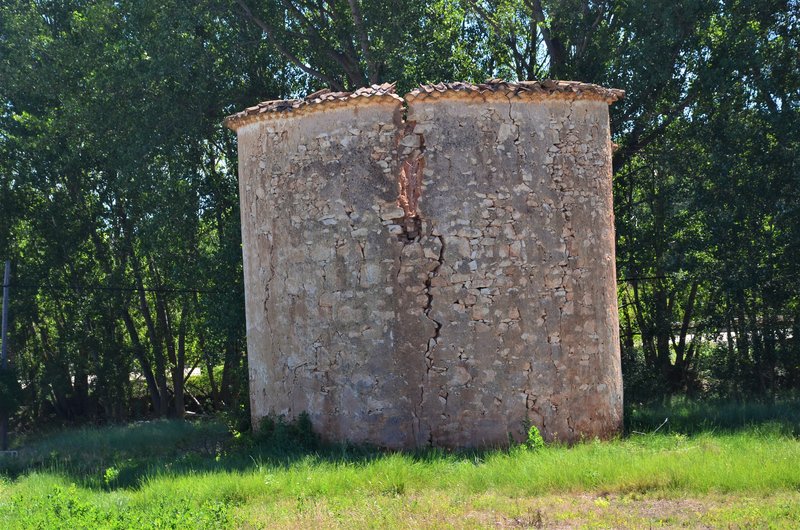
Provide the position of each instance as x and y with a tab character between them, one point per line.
695	417
114	457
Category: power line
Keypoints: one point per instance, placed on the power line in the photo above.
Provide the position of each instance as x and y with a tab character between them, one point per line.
642	278
177	290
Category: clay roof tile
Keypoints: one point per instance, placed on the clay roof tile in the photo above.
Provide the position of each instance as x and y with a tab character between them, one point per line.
571	89
516	89
320	97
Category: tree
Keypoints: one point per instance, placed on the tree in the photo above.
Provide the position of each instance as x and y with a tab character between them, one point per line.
122	196
119	199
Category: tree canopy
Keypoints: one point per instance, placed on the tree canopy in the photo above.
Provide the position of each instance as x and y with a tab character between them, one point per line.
118	193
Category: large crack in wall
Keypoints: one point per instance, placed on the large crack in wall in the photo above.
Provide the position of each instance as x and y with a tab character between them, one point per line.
440	279
411	154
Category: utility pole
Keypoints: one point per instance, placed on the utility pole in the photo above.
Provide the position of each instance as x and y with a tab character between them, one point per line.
4	347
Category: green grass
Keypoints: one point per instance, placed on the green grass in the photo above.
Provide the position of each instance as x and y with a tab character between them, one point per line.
720	469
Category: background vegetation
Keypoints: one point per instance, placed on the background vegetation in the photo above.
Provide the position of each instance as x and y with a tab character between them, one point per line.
118	195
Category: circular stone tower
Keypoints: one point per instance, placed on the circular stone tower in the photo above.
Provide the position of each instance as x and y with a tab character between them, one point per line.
441	279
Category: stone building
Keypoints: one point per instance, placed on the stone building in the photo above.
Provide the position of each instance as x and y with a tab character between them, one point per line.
436	269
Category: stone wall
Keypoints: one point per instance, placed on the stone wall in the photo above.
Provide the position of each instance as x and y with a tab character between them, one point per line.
444	278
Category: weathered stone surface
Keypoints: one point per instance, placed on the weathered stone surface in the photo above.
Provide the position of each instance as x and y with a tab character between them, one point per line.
443	280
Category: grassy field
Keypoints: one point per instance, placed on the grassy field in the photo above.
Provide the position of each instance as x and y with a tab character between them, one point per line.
710	466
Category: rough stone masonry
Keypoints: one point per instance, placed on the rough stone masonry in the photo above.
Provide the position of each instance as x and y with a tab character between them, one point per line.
436	269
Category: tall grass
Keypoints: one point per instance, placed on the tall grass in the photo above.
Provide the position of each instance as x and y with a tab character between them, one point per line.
199	476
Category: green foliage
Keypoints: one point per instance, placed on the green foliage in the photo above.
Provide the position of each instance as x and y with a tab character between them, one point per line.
534	440
291	436
109	191
685	416
110	476
703	211
71	507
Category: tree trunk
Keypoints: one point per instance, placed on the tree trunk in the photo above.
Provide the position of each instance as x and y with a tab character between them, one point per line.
180	364
229	371
140	353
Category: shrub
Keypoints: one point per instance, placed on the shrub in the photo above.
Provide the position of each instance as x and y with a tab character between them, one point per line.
535	440
288	436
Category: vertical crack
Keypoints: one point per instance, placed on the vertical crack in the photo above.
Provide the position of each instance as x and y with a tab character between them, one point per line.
349	212
267	294
516	125
410	175
429	305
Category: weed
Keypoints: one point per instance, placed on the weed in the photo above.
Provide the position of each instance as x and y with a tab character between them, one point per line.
534	440
111	475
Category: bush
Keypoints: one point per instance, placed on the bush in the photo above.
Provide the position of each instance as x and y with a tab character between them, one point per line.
288	436
535	440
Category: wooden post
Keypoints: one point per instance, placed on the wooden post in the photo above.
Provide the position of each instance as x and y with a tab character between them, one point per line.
4	348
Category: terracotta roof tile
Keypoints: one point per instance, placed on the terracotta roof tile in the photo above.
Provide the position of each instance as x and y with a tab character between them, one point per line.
571	89
568	89
320	97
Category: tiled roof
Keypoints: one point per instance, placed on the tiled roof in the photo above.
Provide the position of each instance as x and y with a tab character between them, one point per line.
570	89
547	87
320	97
